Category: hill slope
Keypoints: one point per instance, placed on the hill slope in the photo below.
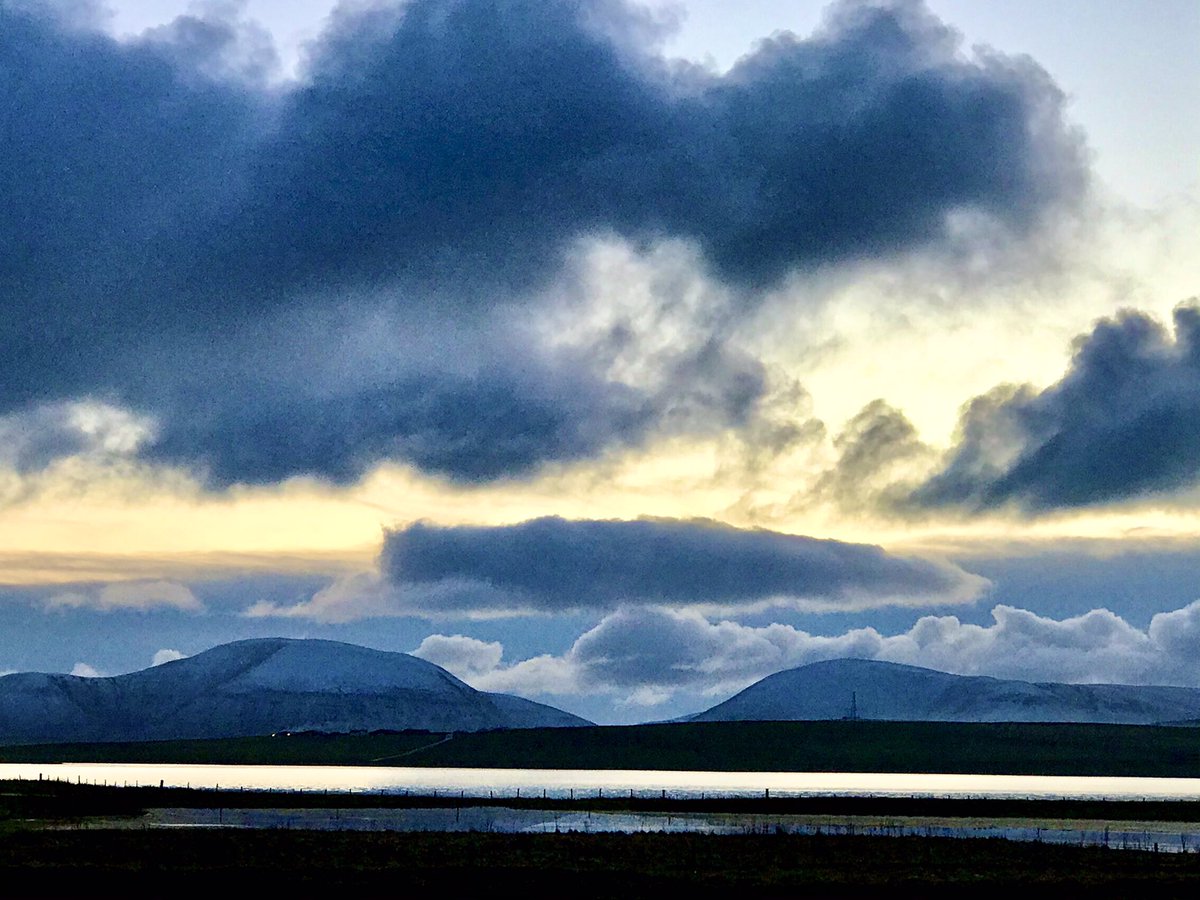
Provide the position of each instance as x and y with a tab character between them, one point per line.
824	690
258	687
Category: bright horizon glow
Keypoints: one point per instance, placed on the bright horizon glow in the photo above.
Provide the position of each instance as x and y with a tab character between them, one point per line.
560	783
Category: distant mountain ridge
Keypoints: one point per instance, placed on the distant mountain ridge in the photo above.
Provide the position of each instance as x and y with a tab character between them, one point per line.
883	690
256	687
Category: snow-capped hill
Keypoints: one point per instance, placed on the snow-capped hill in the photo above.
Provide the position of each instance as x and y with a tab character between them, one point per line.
313	665
208	670
538	715
881	690
258	687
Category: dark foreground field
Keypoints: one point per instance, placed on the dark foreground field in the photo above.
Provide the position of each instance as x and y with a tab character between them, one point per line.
300	863
837	746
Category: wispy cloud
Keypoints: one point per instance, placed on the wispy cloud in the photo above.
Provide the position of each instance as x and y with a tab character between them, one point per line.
132	596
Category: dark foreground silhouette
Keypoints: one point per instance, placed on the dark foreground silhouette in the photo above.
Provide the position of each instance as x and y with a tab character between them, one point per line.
305	863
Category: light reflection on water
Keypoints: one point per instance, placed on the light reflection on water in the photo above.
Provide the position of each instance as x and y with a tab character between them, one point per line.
642	783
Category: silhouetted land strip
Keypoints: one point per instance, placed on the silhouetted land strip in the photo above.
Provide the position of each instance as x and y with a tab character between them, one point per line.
303	863
833	746
58	801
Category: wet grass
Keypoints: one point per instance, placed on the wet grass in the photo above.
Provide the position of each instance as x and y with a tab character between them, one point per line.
300	863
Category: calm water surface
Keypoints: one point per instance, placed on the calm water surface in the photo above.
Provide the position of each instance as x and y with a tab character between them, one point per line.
643	783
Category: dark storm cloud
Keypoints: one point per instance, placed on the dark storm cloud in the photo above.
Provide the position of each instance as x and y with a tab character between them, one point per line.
555	565
161	199
456	135
502	421
1123	423
110	153
471	429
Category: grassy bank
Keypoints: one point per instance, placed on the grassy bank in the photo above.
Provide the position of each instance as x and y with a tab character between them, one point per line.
863	746
157	863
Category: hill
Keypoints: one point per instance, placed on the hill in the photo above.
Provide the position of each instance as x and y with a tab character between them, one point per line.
258	687
882	690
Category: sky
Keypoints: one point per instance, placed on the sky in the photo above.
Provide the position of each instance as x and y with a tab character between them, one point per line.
612	354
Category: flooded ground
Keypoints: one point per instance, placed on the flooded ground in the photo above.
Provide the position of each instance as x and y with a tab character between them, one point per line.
1171	837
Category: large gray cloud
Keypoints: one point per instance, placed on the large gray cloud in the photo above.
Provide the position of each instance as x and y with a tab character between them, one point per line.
1122	424
494	130
171	222
556	565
